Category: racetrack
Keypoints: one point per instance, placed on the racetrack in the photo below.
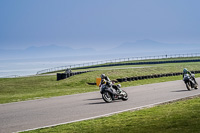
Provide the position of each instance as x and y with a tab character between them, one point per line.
65	109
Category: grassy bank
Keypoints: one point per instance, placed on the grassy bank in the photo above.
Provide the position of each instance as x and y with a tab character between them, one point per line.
26	88
182	117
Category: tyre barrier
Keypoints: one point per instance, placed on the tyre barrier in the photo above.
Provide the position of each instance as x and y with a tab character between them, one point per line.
61	76
119	80
135	78
91	83
129	79
124	80
147	77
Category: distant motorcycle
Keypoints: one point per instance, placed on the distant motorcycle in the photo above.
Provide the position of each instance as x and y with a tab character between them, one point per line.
190	82
109	93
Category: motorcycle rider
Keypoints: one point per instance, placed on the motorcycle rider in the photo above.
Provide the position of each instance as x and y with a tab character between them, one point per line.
185	71
103	76
107	82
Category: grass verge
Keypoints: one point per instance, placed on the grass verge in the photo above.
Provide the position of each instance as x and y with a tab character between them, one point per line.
182	116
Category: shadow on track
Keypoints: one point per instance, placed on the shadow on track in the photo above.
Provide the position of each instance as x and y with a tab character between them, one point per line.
95	99
180	91
103	102
97	103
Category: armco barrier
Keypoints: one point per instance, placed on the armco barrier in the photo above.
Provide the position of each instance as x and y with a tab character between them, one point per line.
139	63
121	61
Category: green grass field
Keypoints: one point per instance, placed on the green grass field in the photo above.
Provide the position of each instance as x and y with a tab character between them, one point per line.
27	88
182	116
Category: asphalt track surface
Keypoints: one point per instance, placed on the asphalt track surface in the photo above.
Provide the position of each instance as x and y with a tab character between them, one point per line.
33	114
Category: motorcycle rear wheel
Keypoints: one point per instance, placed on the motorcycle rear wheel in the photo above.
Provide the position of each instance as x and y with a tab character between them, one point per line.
107	97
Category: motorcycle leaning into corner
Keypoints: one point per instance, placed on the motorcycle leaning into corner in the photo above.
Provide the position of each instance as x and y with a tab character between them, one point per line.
190	81
110	92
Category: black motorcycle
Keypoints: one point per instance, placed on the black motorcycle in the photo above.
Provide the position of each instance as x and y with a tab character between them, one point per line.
110	92
190	81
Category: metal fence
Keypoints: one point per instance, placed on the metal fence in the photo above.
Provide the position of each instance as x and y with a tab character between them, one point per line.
118	60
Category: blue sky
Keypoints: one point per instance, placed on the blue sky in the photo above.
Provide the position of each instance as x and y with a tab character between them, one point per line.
98	24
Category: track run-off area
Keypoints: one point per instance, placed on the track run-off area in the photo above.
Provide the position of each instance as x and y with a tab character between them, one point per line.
34	114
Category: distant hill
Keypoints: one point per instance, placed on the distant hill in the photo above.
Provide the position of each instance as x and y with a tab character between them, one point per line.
154	46
44	51
139	48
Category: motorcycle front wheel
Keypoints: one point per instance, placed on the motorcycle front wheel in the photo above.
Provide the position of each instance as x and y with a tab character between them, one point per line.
107	97
125	97
188	85
196	86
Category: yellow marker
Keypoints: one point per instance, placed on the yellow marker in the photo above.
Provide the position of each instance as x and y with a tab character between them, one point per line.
98	81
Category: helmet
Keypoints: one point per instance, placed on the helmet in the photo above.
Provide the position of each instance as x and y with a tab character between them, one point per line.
185	70
119	85
103	76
